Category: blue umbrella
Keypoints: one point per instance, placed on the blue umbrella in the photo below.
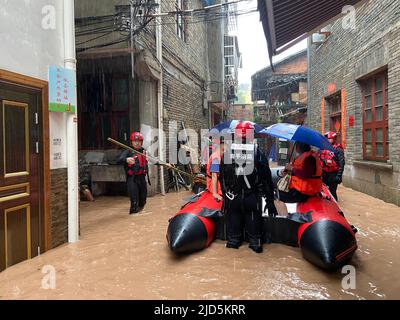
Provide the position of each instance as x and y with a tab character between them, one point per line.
229	127
298	133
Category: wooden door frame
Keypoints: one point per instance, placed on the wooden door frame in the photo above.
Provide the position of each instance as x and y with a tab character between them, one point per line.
41	85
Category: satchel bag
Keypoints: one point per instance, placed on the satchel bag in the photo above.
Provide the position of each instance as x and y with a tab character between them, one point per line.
283	183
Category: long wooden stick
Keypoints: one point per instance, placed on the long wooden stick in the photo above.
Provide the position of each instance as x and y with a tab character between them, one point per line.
157	161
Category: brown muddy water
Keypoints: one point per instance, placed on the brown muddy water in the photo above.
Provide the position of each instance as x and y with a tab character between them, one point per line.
121	256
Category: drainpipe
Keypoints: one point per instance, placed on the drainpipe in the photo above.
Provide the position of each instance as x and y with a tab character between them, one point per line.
309	110
72	126
160	96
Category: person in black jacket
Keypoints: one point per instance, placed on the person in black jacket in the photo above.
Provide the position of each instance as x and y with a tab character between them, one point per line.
332	164
243	184
136	168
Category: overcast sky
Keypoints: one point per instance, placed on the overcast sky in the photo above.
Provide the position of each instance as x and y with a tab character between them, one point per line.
252	43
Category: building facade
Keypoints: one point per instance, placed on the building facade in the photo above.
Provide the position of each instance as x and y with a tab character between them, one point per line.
284	91
354	77
233	61
33	140
121	76
280	95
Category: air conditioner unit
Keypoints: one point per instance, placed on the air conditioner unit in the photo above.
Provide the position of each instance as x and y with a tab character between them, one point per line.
318	38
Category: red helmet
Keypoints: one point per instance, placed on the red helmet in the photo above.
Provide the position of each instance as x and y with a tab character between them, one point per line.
136	136
331	135
243	128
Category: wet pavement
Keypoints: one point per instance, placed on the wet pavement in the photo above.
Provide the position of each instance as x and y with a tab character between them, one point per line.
121	256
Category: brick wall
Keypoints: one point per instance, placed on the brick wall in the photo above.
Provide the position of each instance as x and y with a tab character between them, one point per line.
186	74
297	65
59	207
293	65
346	56
242	112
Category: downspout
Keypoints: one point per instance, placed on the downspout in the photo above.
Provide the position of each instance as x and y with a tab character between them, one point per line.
72	126
160	96
308	81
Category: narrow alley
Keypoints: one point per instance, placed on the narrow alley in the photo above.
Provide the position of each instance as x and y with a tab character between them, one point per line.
121	256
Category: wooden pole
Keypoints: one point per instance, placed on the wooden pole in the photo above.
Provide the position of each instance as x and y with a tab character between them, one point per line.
157	161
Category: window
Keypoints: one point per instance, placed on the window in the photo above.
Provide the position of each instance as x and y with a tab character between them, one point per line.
375	117
104	110
229	61
181	21
229	51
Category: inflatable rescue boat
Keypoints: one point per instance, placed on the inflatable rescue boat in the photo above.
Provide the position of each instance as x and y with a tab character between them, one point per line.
317	226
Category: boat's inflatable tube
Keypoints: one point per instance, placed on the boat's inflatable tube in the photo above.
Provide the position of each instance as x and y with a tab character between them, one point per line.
325	237
327	241
192	228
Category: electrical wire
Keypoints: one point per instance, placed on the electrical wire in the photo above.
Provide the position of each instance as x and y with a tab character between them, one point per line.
166	69
202	16
90	40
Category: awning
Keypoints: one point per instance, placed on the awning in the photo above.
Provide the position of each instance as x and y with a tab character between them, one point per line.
286	22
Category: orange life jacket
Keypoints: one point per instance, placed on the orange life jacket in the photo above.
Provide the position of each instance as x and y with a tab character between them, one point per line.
215	155
311	186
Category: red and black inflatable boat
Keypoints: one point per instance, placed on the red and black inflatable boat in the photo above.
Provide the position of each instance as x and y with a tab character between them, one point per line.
317	226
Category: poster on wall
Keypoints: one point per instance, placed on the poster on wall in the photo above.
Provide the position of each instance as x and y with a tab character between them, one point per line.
62	90
58	138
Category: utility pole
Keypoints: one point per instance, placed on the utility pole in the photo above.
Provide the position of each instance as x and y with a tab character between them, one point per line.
132	41
160	95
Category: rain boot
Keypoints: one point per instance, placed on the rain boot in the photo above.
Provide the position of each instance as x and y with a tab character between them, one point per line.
235	225
234	241
253	228
134	208
255	244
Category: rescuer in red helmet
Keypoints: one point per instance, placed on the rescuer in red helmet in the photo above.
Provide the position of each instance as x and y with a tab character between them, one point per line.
136	168
332	164
245	177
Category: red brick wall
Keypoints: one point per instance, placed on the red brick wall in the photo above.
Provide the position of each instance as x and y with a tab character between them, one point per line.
298	65
240	113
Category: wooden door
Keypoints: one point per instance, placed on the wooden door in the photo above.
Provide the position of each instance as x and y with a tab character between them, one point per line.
21	213
335	115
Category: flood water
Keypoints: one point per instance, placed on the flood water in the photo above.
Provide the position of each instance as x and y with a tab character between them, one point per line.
121	256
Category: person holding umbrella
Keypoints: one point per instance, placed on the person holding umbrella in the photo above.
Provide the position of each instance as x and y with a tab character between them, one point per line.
305	170
306	175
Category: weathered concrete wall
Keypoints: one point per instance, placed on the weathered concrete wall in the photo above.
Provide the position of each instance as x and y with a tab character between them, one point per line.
32	39
31	42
